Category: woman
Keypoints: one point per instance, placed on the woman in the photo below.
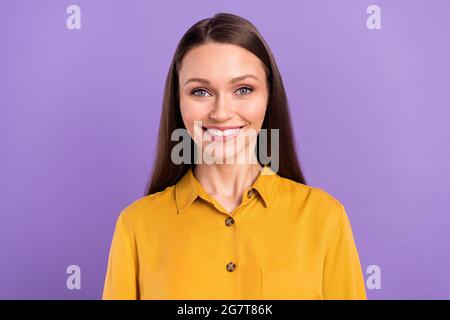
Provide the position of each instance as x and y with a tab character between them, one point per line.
220	228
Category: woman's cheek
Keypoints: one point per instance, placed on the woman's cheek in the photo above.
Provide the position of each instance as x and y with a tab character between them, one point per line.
254	111
190	114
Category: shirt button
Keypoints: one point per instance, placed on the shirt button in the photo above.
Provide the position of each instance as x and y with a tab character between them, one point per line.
229	221
231	267
250	193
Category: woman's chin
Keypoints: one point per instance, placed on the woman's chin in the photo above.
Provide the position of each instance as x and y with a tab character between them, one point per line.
225	155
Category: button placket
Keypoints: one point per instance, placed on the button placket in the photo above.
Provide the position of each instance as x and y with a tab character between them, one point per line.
231	266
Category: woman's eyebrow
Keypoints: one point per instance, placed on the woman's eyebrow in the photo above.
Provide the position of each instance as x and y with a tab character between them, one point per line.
245	76
234	80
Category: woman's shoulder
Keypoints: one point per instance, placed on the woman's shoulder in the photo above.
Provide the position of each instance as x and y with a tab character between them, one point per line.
319	193
146	205
313	197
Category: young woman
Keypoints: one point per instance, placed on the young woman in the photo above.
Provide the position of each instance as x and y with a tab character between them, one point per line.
222	229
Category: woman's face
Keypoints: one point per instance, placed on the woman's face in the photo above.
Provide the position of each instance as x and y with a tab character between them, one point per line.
223	99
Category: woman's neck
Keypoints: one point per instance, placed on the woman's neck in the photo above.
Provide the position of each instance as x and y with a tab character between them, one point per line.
227	180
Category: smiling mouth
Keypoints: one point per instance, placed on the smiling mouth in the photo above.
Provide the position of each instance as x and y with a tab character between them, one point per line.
220	135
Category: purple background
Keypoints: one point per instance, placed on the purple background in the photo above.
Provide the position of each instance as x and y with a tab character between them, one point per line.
80	111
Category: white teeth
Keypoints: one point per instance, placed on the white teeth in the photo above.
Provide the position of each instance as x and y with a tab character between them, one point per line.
220	133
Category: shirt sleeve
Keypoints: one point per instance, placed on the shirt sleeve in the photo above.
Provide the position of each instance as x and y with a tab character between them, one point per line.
121	281
343	278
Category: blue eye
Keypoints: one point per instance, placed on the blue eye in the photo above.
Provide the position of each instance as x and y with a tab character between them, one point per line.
199	92
244	90
203	93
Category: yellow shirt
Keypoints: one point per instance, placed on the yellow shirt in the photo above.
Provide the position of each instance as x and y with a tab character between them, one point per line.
286	240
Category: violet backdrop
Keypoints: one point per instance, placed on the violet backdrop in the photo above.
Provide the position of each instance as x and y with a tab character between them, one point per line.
79	114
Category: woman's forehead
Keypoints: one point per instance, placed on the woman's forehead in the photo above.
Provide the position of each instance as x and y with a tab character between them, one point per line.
216	61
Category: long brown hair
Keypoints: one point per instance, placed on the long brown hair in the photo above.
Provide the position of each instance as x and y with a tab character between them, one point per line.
231	29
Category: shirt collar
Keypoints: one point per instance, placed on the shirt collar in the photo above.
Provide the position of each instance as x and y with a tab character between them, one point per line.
189	188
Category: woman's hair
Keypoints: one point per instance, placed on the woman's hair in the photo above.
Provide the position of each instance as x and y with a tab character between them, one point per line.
230	29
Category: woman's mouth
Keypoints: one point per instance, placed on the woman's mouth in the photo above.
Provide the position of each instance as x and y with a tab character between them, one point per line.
216	134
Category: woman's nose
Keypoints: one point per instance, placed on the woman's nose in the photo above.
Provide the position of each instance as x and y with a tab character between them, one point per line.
222	109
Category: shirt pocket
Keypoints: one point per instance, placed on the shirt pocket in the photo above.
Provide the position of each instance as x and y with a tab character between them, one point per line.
288	285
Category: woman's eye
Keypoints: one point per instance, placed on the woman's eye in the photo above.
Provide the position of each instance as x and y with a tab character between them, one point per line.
200	92
204	93
244	90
